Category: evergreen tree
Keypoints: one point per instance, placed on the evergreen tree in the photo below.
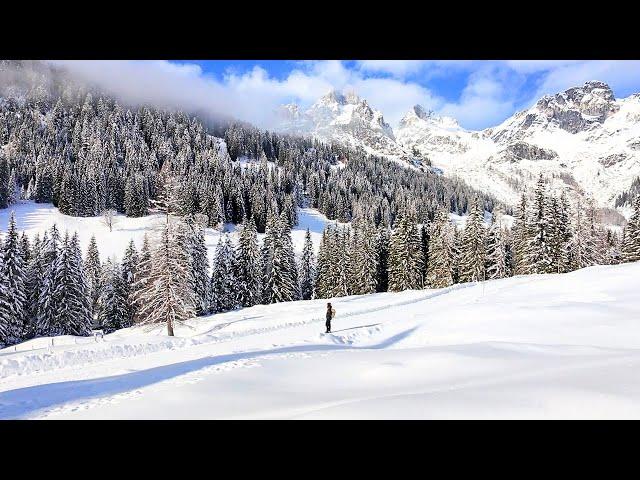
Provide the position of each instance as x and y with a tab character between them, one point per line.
439	271
364	260
520	243
248	269
472	260
128	271
141	278
496	266
199	263
405	256
307	268
47	307
72	314
114	311
383	238
93	272
279	271
631	242
12	287
167	296
223	283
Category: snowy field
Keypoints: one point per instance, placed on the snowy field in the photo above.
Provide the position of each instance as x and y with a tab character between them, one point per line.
35	218
554	346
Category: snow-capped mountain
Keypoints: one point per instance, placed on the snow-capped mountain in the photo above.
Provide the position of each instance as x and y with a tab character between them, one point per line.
583	138
345	118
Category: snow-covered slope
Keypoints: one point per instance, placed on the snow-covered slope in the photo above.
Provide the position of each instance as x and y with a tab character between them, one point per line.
35	218
549	346
583	138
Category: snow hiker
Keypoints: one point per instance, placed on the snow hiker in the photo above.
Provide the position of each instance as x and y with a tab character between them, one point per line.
331	312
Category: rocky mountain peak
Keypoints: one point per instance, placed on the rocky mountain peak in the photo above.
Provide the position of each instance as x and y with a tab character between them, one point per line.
579	108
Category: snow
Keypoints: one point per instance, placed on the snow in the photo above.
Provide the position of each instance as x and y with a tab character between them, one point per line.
35	218
546	346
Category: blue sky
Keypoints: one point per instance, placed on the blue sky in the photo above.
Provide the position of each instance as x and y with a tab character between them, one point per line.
479	94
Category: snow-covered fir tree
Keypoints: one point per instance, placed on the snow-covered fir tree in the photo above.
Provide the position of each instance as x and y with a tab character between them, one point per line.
46	307
167	297
195	224
539	254
520	232
93	273
222	289
307	272
141	278
113	312
383	238
364	260
439	269
248	268
496	265
12	287
279	271
405	256
128	271
472	252
72	311
631	233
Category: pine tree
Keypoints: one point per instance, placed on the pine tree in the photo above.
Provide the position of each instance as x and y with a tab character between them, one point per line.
199	263
248	269
93	272
472	260
141	278
222	291
322	286
307	268
72	315
167	297
12	288
631	243
496	266
540	254
128	271
439	271
364	260
520	234
113	313
382	267
47	307
405	256
279	271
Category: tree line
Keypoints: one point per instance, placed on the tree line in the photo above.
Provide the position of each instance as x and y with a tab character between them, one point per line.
48	288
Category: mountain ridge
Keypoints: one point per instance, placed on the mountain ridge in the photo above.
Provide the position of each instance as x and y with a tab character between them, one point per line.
583	138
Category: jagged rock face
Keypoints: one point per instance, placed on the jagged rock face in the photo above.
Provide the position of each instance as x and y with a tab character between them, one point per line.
348	119
525	151
574	110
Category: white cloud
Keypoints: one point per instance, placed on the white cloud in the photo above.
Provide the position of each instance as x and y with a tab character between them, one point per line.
393	67
493	90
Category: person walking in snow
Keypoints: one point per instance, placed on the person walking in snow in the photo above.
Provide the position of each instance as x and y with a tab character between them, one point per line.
331	312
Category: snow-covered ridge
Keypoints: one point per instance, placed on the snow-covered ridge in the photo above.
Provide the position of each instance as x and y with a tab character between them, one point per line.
583	139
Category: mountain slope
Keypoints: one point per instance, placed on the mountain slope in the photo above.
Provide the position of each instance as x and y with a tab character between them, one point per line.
583	138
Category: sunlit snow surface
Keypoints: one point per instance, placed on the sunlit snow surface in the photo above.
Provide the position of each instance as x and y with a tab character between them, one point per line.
554	346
